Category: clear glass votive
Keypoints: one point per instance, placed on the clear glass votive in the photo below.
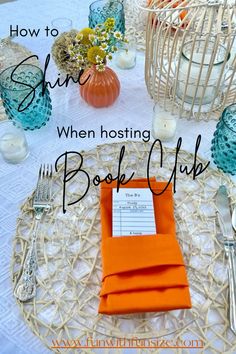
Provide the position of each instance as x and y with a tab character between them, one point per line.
22	94
223	146
197	59
62	24
126	55
100	10
163	124
13	144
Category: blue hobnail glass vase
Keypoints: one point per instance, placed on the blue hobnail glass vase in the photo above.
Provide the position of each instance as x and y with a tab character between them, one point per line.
31	107
100	10
223	146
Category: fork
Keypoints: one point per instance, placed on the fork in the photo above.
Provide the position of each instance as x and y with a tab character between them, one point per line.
26	286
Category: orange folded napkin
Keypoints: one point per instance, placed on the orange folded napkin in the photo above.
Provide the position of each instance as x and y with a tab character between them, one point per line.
142	273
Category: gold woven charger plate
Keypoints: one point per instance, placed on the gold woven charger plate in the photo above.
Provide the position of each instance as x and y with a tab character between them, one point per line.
69	272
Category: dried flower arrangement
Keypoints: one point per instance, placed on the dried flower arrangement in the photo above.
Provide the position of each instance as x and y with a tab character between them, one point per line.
75	51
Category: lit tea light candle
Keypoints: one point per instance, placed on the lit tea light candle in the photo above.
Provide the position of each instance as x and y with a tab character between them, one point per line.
163	125
125	59
126	55
13	144
194	82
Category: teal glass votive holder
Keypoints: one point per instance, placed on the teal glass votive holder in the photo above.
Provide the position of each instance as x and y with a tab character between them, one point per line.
223	146
100	10
24	100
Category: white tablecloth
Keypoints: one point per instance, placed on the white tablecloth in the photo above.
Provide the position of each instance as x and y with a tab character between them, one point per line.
132	109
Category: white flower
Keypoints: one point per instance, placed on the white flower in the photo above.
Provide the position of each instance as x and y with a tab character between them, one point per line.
80	58
113	49
118	35
104	46
109	56
98	59
101	38
100	67
92	37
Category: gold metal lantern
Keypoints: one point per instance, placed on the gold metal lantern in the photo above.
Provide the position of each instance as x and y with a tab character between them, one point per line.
191	56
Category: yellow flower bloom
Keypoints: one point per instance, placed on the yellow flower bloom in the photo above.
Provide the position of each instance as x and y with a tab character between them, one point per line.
85	33
109	23
93	52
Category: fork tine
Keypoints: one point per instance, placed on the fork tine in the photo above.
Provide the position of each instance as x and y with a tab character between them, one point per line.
38	183
44	189
43	192
48	184
50	176
41	184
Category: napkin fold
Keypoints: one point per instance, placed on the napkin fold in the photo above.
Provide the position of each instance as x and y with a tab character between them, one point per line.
142	273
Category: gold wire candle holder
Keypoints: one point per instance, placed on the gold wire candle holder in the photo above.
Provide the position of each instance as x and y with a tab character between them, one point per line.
191	56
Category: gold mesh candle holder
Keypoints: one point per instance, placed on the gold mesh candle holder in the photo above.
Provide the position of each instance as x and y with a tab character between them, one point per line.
191	56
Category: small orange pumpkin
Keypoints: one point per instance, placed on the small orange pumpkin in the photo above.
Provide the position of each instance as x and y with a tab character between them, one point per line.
182	14
101	89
